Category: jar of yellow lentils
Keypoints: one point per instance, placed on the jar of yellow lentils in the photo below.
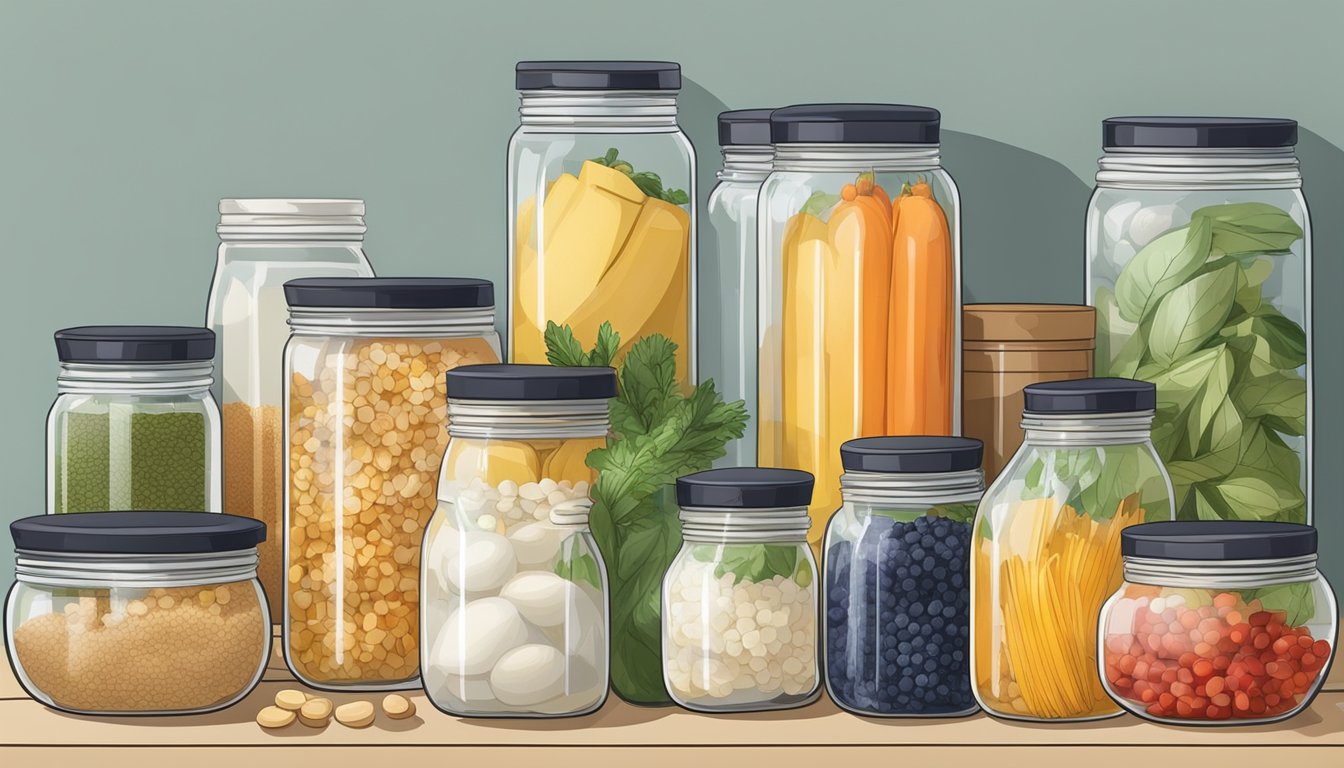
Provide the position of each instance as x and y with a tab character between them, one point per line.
365	432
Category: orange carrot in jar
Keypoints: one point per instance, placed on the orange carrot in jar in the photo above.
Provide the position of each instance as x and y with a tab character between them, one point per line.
859	230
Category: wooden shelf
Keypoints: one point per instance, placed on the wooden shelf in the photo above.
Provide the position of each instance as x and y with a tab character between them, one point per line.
31	734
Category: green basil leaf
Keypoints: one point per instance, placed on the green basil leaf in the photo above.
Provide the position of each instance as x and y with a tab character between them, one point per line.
1270	337
819	203
1251	227
1191	314
1280	397
1295	600
1263	450
1160	266
1189	394
1259	498
1207	505
1120	344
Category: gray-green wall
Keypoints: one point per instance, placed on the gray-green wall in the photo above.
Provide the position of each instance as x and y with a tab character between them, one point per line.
122	123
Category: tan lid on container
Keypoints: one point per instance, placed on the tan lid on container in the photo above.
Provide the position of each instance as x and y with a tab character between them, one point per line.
1030	323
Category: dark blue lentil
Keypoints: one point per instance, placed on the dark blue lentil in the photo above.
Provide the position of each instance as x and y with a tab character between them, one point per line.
898	618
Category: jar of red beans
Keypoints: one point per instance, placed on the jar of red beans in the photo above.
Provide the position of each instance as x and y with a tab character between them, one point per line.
1217	622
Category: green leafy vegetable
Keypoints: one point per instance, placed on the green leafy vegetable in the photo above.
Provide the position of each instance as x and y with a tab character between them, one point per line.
750	562
1295	600
1168	261
819	203
580	569
648	182
1192	313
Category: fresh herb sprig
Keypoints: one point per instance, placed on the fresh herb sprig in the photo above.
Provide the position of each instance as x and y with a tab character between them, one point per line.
648	182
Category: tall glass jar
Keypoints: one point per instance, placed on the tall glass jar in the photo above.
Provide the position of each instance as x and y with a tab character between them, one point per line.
137	613
601	207
897	594
1199	264
739	600
860	287
727	292
263	244
1218	622
515	590
364	434
1046	546
133	426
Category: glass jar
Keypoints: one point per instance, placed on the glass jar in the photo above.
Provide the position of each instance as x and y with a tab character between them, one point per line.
897	594
601	189
137	613
860	252
133	425
263	244
1218	622
1199	264
364	435
515	589
727	274
1046	546
739	600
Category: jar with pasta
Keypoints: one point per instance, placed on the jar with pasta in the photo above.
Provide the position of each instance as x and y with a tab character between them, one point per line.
365	432
1046	546
515	590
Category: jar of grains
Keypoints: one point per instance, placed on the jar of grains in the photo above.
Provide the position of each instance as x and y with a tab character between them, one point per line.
515	590
133	425
120	613
364	437
739	600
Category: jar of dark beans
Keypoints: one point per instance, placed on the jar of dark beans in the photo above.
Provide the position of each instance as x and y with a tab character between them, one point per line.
897	586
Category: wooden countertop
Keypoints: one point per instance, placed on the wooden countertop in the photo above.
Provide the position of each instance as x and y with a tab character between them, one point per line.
31	734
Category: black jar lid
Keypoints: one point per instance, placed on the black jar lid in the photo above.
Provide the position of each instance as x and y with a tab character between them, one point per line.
135	344
742	127
514	381
745	488
1198	132
912	454
1218	540
597	76
1090	396
137	533
390	293
854	124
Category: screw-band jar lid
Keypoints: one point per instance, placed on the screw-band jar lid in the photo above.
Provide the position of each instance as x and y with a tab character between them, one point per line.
390	293
143	532
912	454
745	488
1218	540
744	127
597	76
1198	132
1089	396
855	124
135	344
515	381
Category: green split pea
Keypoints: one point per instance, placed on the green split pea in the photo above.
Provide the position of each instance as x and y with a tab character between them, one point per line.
131	460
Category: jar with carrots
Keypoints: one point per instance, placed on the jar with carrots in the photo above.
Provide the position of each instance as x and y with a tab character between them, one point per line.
860	287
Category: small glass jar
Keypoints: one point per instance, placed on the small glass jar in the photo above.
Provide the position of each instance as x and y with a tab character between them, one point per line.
601	190
137	613
1218	623
727	271
860	287
515	589
262	244
1199	264
739	600
364	436
1046	546
133	425
897	596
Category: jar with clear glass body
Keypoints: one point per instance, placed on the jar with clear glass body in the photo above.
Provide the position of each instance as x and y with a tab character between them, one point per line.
515	618
365	432
601	189
859	299
897	594
133	425
726	296
1199	264
1218	623
262	244
1046	546
137	613
739	601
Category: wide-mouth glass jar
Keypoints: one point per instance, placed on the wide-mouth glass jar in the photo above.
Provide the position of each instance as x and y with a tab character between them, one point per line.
860	287
137	613
897	596
1199	264
740	600
515	603
1218	622
364	435
601	190
133	425
1046	546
